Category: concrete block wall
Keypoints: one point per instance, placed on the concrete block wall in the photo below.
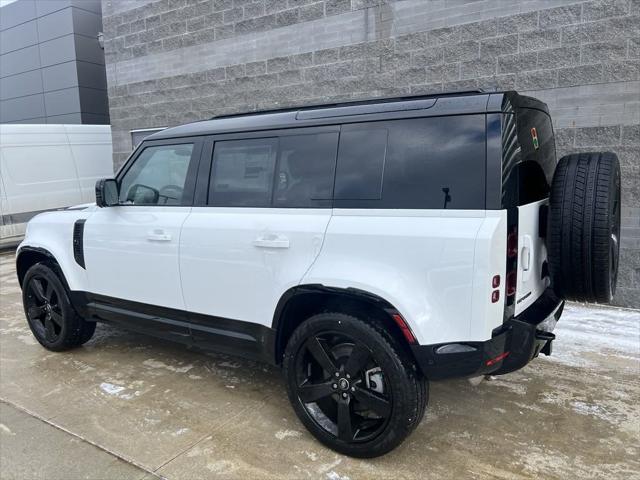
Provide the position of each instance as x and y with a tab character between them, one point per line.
174	61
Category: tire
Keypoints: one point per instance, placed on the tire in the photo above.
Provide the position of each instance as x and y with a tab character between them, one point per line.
583	240
327	363
50	315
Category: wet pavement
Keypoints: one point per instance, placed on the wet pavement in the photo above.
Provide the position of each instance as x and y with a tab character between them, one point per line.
129	406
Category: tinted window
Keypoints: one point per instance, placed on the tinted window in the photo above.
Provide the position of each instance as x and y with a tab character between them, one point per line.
306	165
242	173
363	149
428	163
157	176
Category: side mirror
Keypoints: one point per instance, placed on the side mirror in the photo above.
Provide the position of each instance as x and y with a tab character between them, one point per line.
106	192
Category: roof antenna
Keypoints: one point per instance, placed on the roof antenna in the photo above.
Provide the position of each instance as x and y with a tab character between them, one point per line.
447	197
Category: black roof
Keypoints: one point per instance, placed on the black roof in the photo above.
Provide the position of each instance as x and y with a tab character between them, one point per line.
451	103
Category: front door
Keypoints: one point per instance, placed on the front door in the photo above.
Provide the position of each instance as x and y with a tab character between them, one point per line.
267	208
131	250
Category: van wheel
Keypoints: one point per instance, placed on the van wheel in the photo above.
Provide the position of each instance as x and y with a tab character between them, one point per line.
52	319
352	385
584	227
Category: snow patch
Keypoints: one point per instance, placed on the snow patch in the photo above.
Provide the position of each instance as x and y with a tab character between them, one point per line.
111	389
27	339
584	330
5	429
152	363
282	434
332	475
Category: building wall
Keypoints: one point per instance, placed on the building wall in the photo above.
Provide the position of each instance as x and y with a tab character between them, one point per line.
51	65
175	61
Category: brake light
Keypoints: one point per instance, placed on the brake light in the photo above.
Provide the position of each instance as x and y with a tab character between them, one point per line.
495	296
406	331
495	282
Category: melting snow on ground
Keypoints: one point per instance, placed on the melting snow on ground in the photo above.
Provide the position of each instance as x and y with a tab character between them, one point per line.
584	330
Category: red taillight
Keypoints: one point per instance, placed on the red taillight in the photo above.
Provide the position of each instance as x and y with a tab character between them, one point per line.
495	360
406	331
512	280
512	244
495	282
495	296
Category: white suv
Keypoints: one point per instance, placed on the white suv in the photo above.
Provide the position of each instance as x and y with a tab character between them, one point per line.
364	247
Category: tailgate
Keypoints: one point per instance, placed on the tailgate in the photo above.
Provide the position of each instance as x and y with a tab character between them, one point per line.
532	278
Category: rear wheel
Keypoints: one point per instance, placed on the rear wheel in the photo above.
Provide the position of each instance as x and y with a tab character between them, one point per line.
352	385
52	319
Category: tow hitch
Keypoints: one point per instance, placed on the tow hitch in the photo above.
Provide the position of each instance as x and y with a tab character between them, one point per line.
548	337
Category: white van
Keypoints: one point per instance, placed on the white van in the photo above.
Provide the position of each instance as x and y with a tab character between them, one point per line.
47	167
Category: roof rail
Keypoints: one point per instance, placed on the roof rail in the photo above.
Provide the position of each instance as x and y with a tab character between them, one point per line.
349	103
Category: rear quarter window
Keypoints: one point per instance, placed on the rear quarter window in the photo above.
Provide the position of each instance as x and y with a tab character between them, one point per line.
425	163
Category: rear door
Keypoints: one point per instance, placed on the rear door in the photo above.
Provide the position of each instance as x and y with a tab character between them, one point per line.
259	226
533	174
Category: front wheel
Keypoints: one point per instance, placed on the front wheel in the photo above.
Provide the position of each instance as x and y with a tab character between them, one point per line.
50	315
352	385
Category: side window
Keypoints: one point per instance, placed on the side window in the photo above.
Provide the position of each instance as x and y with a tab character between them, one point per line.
428	163
242	173
304	175
363	149
158	176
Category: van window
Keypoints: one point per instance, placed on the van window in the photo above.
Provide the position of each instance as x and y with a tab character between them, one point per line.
242	173
157	176
428	163
305	171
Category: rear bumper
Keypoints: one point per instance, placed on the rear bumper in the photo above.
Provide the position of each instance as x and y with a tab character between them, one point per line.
512	345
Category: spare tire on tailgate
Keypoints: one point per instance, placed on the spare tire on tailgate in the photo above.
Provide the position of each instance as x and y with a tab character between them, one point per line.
583	236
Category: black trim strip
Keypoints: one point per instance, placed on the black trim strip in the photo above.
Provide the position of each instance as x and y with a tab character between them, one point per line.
235	337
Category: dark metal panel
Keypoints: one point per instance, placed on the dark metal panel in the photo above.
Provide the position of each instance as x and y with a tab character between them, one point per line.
91	75
55	25
16	13
73	118
63	75
23	84
95	119
57	51
50	6
86	23
88	49
20	61
22	108
20	36
93	101
62	101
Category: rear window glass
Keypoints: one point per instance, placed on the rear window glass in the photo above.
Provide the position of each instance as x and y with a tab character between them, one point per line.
417	163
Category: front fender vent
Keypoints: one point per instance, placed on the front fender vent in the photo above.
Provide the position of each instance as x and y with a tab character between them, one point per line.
78	246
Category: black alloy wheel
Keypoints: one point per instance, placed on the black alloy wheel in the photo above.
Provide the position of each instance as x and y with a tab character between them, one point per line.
50	315
352	384
43	308
342	388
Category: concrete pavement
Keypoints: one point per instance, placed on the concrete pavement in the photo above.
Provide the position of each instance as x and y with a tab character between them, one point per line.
129	406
